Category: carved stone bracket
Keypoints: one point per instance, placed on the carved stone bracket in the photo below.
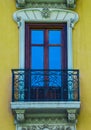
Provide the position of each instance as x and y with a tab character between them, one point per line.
42	3
72	115
18	19
20	115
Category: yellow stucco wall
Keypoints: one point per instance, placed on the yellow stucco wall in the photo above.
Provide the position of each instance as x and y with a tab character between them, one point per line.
9	59
82	60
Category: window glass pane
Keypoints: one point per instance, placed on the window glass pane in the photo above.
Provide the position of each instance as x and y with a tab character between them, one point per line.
37	36
55	60
54	36
37	58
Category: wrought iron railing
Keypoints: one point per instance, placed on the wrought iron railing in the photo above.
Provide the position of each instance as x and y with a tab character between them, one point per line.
45	85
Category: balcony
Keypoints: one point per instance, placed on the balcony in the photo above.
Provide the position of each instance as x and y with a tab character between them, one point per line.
45	91
45	85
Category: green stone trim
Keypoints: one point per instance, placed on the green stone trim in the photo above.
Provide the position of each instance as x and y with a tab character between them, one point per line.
64	4
46	127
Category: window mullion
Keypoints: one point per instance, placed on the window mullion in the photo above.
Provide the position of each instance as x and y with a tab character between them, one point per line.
46	49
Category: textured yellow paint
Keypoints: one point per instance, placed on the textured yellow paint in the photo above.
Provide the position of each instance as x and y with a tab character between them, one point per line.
9	59
82	60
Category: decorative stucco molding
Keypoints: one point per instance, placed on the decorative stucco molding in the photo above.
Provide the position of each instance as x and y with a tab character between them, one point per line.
45	15
46	12
45	122
46	127
42	3
72	115
20	115
46	115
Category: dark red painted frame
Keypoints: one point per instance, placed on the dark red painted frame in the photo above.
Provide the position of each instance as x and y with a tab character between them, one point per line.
29	26
63	27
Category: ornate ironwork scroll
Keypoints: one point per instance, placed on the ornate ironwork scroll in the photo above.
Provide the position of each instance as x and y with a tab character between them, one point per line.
32	85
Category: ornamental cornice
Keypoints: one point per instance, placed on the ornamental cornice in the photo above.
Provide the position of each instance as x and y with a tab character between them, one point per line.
45	15
67	4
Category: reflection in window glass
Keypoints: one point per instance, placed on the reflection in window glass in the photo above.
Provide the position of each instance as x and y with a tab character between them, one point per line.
37	36
37	58
54	36
55	58
37	79
55	79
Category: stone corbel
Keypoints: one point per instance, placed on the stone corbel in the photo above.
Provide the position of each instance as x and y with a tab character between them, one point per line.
20	115
72	22
72	115
18	20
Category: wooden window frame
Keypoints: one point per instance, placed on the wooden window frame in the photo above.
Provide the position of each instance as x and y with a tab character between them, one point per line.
29	26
